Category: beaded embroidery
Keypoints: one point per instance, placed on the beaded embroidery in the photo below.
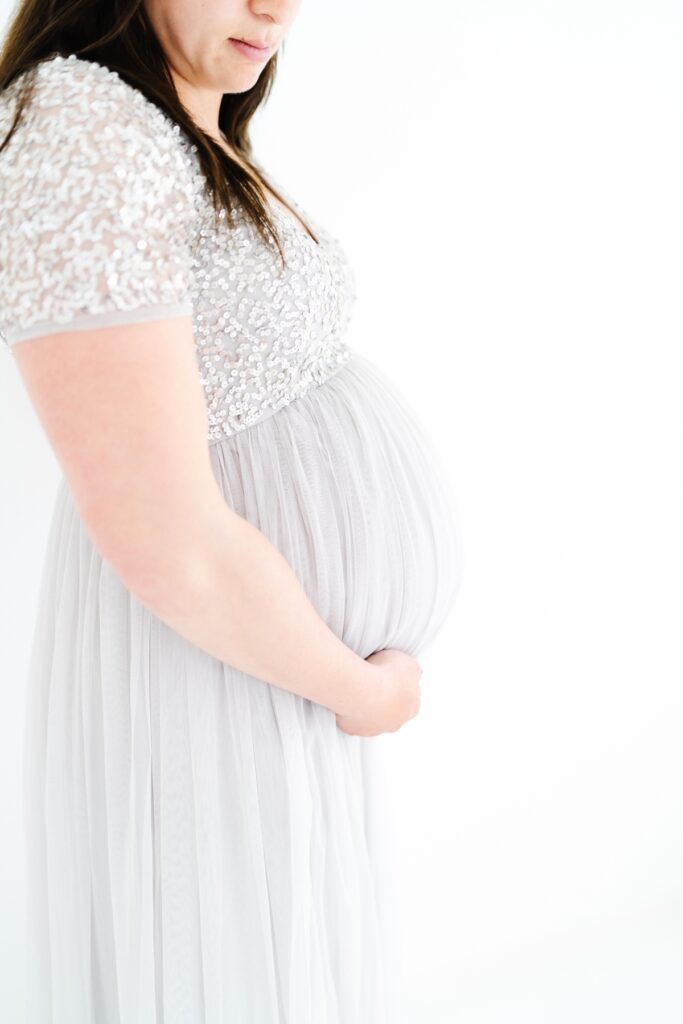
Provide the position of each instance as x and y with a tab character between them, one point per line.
130	234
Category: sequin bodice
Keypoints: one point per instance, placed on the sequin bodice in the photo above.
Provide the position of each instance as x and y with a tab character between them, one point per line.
265	336
105	218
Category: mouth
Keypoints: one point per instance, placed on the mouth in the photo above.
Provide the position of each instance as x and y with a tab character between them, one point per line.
254	44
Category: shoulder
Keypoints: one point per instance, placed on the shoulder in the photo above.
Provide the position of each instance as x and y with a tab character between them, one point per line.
97	201
78	108
71	87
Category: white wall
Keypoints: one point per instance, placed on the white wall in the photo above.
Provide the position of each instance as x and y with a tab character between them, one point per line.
510	195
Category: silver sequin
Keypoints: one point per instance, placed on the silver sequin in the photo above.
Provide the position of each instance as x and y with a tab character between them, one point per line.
105	218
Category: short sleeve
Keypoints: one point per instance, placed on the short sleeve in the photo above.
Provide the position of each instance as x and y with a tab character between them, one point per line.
96	206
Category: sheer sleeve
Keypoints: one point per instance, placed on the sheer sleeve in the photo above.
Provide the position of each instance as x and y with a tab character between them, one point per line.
96	207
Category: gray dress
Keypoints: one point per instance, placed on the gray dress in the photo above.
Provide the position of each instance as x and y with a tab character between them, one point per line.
204	846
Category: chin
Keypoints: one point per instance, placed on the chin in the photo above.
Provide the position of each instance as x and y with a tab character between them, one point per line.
238	82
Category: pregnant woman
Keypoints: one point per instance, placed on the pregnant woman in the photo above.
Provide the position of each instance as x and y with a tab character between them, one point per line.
251	543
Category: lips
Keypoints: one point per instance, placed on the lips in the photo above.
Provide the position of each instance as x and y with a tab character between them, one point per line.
258	54
253	42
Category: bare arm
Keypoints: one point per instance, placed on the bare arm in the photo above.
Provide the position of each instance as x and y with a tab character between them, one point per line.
124	412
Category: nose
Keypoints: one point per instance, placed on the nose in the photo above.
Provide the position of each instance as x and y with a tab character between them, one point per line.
276	12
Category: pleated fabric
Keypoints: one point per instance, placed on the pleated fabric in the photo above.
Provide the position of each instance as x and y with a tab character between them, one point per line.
204	847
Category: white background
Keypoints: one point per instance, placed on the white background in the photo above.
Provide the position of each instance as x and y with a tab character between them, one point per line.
506	177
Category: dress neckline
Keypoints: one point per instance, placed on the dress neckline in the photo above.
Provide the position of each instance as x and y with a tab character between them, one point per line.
288	214
284	213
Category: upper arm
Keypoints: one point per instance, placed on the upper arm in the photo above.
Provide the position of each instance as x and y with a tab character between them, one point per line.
124	412
96	208
95	229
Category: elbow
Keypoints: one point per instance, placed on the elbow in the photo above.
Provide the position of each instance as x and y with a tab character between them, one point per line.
165	573
169	584
170	556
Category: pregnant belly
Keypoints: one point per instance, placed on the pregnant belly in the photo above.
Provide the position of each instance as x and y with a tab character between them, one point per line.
344	482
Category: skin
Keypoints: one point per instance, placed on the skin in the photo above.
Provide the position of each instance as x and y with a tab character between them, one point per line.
124	412
204	65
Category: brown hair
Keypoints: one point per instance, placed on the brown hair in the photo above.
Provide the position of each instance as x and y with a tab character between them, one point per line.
118	35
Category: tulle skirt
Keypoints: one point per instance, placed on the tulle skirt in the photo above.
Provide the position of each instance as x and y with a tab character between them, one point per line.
204	847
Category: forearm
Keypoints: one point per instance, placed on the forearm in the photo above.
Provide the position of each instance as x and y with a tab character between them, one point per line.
230	591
